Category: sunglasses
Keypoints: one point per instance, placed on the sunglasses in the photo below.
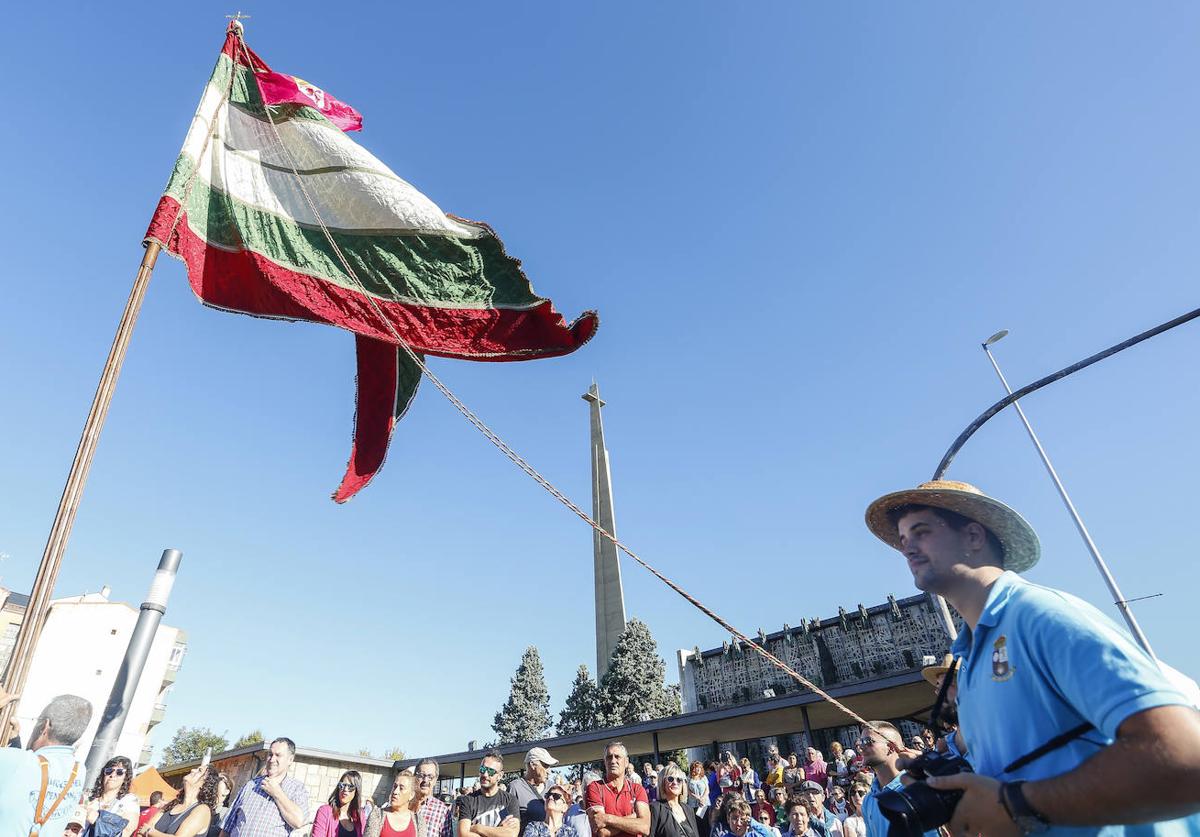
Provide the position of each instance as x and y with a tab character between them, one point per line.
674	780
556	796
114	771
484	770
342	786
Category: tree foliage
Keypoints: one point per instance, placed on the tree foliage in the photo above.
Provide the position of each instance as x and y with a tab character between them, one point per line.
254	736
525	716
191	742
579	714
633	689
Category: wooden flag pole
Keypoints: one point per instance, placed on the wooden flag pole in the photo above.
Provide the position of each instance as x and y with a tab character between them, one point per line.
68	505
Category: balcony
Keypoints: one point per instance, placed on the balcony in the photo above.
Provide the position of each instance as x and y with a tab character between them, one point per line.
170	674
157	714
144	757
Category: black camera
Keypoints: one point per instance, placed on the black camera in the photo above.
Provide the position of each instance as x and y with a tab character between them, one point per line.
918	808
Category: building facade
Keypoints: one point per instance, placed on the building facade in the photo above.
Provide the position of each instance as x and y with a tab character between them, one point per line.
79	652
855	646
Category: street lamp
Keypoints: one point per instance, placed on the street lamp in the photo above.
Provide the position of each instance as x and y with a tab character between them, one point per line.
1118	599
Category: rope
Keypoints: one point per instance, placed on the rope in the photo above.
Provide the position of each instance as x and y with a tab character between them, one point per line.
518	460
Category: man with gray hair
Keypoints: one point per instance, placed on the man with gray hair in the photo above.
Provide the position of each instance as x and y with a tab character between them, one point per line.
433	815
617	806
51	742
529	790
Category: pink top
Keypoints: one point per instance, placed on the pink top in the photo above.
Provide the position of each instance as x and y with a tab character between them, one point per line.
325	823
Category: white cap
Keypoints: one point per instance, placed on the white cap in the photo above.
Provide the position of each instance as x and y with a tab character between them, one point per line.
540	754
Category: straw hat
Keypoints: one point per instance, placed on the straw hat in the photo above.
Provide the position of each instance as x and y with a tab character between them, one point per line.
932	673
1016	536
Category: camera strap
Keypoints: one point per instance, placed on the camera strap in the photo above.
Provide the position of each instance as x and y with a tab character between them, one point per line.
1050	746
935	716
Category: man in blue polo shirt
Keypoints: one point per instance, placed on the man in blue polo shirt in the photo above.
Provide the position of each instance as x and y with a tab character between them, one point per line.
1038	666
53	736
880	745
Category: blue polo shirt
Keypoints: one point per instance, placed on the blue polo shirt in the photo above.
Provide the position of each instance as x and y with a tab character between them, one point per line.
873	818
20	781
1039	663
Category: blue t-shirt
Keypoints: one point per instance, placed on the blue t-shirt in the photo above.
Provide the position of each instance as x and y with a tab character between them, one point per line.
1039	663
873	818
20	782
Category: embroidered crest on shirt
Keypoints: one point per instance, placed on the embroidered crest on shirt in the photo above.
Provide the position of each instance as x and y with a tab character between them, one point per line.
1001	669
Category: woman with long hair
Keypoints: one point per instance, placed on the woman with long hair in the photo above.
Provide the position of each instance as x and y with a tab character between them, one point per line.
110	795
671	816
397	818
344	815
698	787
558	800
191	812
220	804
854	825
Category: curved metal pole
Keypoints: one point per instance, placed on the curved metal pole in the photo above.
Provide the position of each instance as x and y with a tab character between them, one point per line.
1049	379
1118	597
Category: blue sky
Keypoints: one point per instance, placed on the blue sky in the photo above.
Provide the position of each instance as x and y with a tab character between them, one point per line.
797	223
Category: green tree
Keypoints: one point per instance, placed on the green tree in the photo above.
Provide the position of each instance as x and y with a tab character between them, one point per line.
526	714
633	688
579	713
191	742
254	736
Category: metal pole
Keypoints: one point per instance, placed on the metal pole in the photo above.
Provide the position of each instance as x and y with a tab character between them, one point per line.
1118	598
68	504
130	673
807	725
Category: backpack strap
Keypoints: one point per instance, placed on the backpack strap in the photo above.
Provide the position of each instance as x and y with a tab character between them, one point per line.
40	817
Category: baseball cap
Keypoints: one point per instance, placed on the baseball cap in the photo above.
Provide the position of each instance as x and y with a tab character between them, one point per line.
540	754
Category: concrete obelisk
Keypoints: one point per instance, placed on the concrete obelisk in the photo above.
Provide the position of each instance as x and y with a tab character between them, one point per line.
610	599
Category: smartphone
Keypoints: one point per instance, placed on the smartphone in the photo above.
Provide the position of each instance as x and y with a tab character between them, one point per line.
207	758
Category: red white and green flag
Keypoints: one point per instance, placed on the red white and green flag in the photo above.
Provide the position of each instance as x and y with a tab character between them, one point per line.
270	201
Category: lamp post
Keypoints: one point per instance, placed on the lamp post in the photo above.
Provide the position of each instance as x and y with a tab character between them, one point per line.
1118	599
126	683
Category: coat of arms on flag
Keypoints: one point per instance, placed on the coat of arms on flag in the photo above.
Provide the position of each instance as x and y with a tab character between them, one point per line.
277	213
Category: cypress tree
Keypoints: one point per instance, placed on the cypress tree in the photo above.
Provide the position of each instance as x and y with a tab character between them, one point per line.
580	712
633	689
526	714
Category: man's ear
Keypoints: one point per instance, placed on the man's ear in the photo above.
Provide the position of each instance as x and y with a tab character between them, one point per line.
976	534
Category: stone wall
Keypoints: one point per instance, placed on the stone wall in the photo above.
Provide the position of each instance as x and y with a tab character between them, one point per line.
317	769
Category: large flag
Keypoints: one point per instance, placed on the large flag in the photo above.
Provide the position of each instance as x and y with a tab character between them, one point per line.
270	203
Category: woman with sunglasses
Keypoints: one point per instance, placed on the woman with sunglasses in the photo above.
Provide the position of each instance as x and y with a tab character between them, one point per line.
190	813
556	824
671	816
854	825
344	814
111	796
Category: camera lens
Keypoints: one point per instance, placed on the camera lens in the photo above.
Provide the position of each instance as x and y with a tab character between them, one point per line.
916	809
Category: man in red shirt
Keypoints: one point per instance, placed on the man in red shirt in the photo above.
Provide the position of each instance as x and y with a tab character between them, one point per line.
616	807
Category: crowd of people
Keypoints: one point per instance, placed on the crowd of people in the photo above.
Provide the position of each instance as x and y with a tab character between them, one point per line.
1070	728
